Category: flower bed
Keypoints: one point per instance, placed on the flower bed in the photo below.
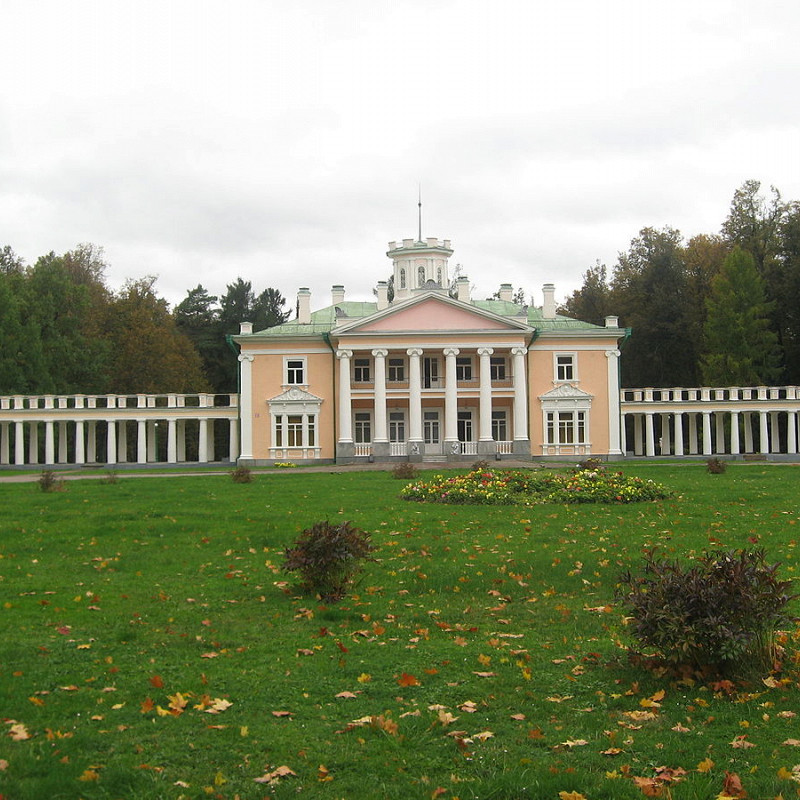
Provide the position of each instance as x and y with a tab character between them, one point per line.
518	487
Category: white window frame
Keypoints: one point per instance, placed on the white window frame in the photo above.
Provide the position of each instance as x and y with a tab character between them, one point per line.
288	371
362	427
567	428
498	368
397	426
567	371
500	417
396	372
362	370
464	368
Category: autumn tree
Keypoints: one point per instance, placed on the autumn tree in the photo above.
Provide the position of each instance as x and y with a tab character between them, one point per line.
740	348
593	301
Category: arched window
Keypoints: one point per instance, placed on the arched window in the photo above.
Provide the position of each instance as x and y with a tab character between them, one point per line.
439	276
402	279
420	276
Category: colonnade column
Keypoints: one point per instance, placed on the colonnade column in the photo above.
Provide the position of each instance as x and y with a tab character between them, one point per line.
451	401
233	430
122	441
791	432
62	441
4	447
33	442
246	405
80	451
202	442
775	438
764	431
692	433
381	430
614	433
91	441
111	442
485	403
735	446
49	446
650	445
345	398
706	433
521	401
637	434
141	441
152	441
748	432
678	433
720	421
414	400
172	441
665	439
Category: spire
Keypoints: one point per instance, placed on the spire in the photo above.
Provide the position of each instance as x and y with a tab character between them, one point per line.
419	207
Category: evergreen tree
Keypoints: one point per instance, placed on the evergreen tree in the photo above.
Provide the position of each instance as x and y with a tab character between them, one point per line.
592	302
741	350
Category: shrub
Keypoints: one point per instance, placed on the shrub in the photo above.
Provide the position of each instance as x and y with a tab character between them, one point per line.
405	471
482	465
242	475
715	466
48	482
110	478
590	463
328	557
720	613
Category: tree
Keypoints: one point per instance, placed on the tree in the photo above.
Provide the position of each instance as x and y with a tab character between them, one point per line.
268	310
21	351
10	261
150	354
741	350
592	302
703	257
784	290
649	292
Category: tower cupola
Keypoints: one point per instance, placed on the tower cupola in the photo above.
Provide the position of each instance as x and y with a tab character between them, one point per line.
420	266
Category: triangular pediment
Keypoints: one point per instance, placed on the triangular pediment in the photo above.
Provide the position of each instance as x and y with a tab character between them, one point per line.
295	395
565	391
432	312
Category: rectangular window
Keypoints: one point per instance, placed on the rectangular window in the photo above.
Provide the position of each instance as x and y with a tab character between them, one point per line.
566	427
397	426
294	430
363	427
312	439
499	426
295	371
397	371
361	370
463	368
497	367
565	367
464	424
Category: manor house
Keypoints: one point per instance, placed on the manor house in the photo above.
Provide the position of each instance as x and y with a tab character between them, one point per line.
428	375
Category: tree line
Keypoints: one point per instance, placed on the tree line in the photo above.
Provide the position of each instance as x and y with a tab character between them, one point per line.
64	331
720	309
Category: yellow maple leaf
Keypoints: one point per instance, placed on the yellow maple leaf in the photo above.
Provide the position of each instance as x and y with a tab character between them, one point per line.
89	775
705	765
364	677
571	796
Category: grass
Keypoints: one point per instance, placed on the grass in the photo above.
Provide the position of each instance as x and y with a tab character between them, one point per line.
119	603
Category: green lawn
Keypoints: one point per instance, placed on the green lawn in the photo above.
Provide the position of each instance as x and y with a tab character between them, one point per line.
151	647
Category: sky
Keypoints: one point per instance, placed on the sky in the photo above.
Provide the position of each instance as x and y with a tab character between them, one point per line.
286	141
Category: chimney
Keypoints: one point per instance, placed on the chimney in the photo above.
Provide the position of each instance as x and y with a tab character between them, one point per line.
337	294
549	306
304	306
462	287
506	292
245	328
383	295
612	322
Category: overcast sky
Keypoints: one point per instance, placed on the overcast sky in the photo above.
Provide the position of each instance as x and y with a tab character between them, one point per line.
283	141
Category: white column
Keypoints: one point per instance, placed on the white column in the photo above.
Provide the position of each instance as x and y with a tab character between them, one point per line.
122	441
775	431
706	433
735	447
764	430
345	399
693	447
748	432
637	434
4	446
202	444
485	407
521	397
381	430
450	399
246	404
80	450
182	441
720	421
414	397
233	446
623	434
614	431
172	440
33	442
91	441
152	441
665	440
19	443
49	444
111	442
649	435
62	441
141	441
791	432
678	433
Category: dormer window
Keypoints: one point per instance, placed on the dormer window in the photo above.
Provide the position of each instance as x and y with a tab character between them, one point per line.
402	279
420	276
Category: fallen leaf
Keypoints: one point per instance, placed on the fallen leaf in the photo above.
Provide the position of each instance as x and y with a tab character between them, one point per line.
705	765
483	736
571	796
283	713
792	742
406	679
733	785
741	743
18	732
276	774
89	775
574	743
485	674
345	695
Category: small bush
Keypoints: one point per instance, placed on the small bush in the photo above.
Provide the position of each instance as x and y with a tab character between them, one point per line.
405	471
482	465
48	482
242	475
110	478
715	466
590	463
720	613
328	557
